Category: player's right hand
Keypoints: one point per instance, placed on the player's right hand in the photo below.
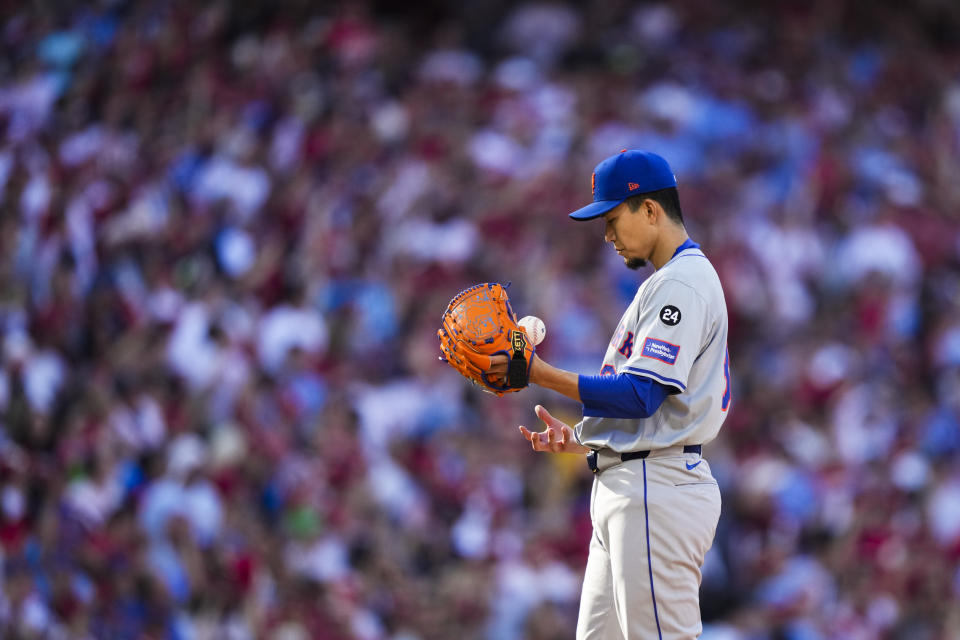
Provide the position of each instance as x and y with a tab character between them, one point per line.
556	438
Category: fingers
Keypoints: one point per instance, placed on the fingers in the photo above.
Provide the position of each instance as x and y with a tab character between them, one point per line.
542	441
498	369
557	436
533	438
499	362
550	439
497	376
545	416
542	413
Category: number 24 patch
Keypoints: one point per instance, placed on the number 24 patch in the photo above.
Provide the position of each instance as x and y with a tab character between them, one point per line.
670	315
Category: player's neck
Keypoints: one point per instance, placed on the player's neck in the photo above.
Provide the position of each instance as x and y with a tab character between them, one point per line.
671	237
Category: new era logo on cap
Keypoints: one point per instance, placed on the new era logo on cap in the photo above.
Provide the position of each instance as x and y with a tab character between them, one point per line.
623	175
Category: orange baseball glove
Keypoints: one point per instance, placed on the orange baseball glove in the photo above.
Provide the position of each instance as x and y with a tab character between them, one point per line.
479	323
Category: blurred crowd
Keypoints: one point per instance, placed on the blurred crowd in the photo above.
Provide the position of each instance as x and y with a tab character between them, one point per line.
227	233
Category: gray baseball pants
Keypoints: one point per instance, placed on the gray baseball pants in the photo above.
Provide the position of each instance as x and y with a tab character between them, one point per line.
653	521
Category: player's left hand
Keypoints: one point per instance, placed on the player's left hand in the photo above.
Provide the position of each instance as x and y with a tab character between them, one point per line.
498	368
497	372
556	438
479	325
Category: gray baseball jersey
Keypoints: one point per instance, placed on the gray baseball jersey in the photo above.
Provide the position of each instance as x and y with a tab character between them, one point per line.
675	332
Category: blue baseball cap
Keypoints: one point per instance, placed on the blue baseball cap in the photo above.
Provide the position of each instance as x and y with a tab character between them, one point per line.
625	174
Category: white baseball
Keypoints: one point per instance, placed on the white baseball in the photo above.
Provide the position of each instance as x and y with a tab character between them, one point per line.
534	328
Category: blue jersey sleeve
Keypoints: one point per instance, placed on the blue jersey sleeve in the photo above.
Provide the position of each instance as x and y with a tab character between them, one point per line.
621	396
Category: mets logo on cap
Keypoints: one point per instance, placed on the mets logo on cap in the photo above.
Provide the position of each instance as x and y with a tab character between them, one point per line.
593	184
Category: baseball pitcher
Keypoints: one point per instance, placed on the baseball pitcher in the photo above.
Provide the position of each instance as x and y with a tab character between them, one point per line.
662	392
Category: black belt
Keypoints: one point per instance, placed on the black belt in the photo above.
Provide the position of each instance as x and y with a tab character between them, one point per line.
637	455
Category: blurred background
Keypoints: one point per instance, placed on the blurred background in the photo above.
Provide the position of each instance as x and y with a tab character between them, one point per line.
228	231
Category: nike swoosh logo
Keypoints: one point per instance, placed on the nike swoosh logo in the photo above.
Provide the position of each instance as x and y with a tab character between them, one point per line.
690	467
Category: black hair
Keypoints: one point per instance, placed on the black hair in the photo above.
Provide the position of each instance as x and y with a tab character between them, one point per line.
668	198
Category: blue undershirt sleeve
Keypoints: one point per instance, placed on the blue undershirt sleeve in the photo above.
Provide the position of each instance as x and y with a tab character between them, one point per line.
621	396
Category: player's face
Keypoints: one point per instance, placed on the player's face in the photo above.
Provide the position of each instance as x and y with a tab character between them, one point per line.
631	234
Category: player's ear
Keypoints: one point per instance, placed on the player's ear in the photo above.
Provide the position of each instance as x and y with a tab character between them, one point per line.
650	207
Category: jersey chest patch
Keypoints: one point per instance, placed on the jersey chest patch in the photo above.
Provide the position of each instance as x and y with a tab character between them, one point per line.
661	350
